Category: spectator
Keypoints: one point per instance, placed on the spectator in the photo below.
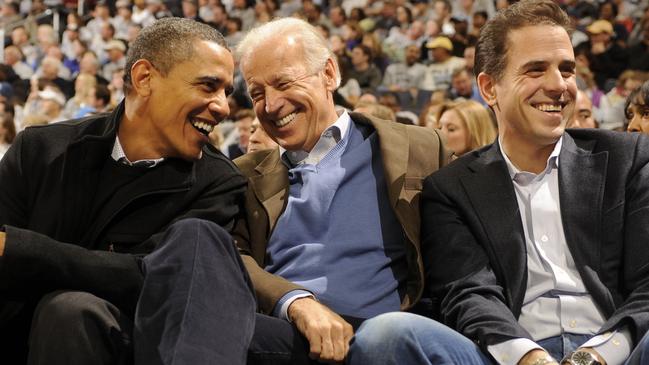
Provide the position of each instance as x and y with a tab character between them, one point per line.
639	53
637	109
243	121
523	283
463	87
116	51
124	19
84	89
607	58
438	74
405	76
259	139
85	243
14	58
582	116
363	69
467	125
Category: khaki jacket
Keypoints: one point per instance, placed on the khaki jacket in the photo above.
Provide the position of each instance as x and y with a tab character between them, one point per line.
410	153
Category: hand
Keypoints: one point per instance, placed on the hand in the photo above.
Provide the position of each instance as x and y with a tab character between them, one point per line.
2	243
535	355
328	334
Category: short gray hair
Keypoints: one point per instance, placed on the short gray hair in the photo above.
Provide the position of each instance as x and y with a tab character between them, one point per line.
316	47
168	42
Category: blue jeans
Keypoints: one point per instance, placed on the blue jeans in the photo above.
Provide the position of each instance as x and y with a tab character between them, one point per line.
406	338
559	346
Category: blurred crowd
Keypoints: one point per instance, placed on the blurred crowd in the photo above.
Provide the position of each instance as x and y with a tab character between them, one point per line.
407	61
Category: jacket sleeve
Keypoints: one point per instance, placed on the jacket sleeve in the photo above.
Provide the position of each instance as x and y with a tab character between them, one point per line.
458	272
634	269
269	288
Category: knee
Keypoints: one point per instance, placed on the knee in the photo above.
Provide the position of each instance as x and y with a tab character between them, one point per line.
385	328
187	235
66	310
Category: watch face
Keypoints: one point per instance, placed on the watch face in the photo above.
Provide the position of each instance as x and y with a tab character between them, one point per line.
582	358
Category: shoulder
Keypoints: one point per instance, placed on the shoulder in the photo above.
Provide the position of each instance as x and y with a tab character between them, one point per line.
248	162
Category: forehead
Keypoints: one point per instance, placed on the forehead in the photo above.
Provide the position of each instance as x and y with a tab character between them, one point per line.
544	43
209	59
288	62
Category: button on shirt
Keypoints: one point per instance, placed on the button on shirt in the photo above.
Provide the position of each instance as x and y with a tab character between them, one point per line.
556	300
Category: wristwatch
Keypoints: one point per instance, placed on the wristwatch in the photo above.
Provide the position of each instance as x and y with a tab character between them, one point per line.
580	357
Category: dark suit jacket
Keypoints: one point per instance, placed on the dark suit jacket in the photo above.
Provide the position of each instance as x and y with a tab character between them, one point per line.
409	154
474	249
48	180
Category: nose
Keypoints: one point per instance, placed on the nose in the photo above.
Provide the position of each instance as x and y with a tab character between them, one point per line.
272	101
556	83
634	124
219	107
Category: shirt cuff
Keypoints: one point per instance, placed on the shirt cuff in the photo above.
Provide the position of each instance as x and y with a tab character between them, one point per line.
512	351
281	308
614	347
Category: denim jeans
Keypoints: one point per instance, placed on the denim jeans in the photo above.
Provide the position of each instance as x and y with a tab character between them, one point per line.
560	346
406	338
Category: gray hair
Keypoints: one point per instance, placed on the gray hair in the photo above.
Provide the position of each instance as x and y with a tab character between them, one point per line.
168	42
316	48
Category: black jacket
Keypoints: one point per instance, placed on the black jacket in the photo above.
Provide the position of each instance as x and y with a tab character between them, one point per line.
474	248
48	180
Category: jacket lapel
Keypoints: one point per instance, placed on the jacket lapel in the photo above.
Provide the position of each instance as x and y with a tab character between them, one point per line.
492	196
582	176
271	187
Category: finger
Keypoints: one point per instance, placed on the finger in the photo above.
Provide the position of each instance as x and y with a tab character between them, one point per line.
315	345
327	350
338	340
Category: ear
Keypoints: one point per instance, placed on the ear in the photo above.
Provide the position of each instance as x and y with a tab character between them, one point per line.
142	73
330	72
487	87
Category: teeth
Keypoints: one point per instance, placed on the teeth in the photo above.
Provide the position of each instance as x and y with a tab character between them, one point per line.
202	126
286	120
549	107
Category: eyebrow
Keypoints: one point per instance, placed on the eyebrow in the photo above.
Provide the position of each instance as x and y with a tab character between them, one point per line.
534	64
214	80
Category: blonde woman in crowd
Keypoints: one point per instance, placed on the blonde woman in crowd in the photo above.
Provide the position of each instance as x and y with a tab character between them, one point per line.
84	95
467	125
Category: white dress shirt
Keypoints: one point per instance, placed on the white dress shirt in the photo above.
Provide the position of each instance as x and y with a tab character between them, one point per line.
556	300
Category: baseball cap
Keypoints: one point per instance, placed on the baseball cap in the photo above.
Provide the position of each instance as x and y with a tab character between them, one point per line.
600	26
440	42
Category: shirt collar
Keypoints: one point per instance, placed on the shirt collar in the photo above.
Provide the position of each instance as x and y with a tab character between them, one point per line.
119	155
328	140
552	162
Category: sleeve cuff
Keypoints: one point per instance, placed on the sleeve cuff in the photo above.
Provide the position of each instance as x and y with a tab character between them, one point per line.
512	351
281	308
614	347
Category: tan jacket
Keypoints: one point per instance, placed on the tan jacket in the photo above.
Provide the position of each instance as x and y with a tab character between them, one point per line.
409	153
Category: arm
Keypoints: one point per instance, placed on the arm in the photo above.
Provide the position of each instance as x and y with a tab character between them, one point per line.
328	334
458	270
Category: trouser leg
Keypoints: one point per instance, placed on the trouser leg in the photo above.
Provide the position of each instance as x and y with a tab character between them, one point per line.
15	322
78	328
197	305
277	342
406	338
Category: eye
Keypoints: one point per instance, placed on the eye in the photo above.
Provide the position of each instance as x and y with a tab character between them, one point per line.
645	113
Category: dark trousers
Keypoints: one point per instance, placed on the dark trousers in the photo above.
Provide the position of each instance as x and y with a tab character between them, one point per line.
196	307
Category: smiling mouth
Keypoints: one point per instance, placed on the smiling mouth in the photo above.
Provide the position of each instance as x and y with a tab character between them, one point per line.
203	126
286	120
550	107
